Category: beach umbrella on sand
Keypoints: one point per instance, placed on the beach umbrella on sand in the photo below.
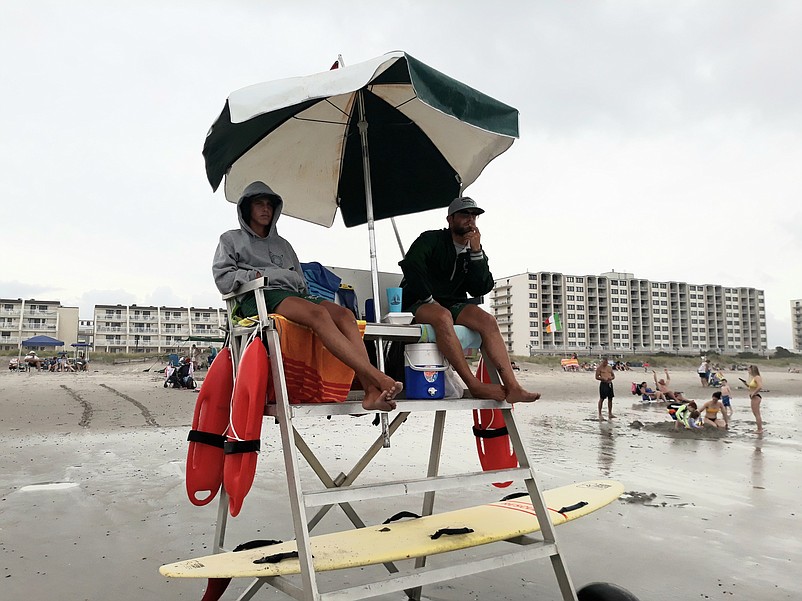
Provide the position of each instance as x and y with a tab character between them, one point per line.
390	136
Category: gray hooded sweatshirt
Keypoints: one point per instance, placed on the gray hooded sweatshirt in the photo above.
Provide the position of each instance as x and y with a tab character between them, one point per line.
241	253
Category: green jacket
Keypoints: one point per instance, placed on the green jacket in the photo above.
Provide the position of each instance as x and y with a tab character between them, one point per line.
433	270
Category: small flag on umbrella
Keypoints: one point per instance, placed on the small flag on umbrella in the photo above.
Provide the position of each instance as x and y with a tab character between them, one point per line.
553	324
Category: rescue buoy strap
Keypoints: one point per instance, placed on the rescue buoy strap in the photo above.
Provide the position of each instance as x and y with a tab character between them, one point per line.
490	433
213	440
232	447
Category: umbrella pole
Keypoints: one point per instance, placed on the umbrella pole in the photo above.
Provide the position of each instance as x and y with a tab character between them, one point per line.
374	264
398	238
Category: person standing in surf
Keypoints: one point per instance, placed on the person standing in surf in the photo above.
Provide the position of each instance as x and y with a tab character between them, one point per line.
441	269
256	250
755	385
605	376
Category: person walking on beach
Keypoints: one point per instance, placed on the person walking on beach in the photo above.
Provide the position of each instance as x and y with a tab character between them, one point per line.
442	268
605	376
195	355
256	250
755	385
704	373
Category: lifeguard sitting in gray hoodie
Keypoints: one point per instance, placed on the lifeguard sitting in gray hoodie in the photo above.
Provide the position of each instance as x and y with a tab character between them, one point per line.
256	250
243	255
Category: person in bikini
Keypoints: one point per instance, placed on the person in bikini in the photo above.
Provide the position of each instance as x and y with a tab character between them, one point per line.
441	269
663	386
755	385
256	250
710	410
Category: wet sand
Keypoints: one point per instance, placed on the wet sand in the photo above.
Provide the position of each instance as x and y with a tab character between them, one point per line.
92	497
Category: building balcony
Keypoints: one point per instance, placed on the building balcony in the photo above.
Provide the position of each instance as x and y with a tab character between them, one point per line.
39	313
39	326
109	329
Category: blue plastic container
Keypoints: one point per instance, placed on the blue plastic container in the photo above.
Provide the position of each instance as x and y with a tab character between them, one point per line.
424	372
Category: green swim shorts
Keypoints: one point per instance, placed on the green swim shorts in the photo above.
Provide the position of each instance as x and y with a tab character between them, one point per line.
273	298
455	309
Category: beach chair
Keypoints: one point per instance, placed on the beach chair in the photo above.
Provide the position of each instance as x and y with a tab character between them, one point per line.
310	503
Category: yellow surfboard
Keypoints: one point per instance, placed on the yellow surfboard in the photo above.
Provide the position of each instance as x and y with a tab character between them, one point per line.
406	539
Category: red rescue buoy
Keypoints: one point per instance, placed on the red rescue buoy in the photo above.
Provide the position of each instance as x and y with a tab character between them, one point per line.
247	410
492	440
209	424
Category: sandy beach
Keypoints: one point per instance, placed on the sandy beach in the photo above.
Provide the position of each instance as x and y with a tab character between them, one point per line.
92	498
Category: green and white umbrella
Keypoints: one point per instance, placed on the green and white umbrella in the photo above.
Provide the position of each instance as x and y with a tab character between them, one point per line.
387	137
427	138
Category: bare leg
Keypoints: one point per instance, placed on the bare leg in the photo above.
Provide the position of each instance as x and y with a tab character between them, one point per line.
755	400
493	346
381	388
346	323
601	404
610	409
447	342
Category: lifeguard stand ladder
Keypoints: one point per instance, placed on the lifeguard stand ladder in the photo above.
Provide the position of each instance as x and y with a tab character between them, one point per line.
341	491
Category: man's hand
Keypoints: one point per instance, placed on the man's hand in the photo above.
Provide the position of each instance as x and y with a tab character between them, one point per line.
474	239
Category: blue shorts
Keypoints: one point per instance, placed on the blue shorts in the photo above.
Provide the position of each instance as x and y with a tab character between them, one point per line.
726	401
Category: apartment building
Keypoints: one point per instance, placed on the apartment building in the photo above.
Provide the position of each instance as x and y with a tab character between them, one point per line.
618	312
23	319
796	324
131	329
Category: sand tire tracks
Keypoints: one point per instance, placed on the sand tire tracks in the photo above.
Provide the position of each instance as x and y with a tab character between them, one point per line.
86	416
149	420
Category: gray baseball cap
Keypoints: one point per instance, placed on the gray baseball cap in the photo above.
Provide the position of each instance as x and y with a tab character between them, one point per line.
464	203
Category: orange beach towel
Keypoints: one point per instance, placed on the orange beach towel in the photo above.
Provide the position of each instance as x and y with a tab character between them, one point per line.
313	374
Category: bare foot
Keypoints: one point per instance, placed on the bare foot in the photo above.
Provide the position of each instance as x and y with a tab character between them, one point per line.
394	390
519	395
376	400
601	419
482	390
611	416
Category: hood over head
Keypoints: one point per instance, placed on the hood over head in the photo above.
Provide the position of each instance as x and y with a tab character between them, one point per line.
258	190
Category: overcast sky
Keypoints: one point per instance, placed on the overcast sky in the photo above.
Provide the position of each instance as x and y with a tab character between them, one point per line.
659	138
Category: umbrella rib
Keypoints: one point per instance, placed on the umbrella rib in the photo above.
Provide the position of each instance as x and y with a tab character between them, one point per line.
330	103
317	121
406	102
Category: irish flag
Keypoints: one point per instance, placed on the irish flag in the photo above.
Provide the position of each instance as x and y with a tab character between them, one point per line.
553	324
